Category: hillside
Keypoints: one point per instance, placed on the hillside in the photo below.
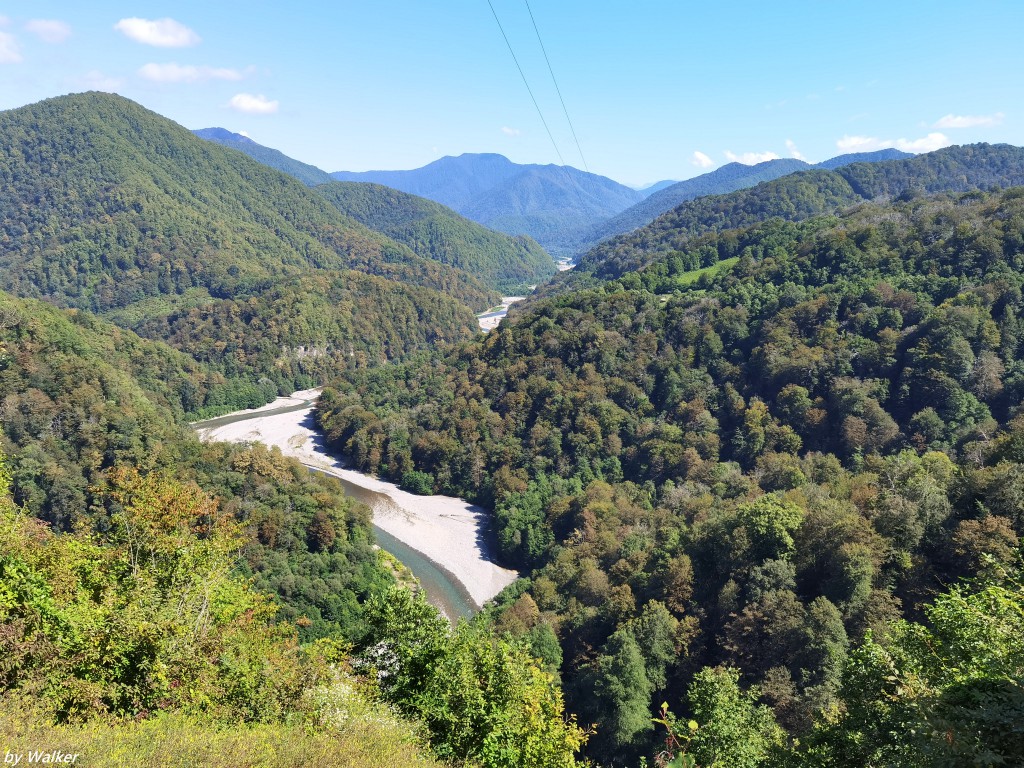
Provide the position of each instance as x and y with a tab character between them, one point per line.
547	202
728	178
433	231
126	205
251	585
134	217
309	175
802	195
542	201
742	474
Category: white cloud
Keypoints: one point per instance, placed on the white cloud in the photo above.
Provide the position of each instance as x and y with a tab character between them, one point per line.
253	105
163	33
94	80
244	133
510	131
969	121
793	151
928	143
751	158
49	30
701	160
176	73
10	51
4	21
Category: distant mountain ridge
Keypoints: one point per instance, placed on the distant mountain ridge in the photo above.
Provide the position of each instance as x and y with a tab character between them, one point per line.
728	178
309	175
543	201
798	196
566	210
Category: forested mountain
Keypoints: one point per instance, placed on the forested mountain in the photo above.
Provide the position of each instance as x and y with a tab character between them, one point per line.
720	181
157	588
722	482
801	195
429	229
105	204
301	331
878	156
309	175
110	208
436	232
548	201
542	201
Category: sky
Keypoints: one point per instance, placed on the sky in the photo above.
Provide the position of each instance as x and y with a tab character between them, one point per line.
655	90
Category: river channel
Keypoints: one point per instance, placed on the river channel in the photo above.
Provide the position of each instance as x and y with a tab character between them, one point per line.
439	538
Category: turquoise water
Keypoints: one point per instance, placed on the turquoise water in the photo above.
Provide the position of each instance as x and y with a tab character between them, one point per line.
442	589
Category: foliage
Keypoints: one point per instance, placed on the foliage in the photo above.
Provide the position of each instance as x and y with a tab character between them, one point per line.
80	397
509	264
952	689
783	454
480	698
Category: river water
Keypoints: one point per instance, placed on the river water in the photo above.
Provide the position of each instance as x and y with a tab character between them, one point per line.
438	538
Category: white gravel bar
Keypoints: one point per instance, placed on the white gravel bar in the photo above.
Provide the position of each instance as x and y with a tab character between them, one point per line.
447	531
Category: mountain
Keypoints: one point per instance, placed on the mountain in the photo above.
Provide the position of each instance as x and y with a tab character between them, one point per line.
434	231
742	473
108	207
451	181
309	175
804	194
509	264
877	156
728	178
725	179
542	201
657	186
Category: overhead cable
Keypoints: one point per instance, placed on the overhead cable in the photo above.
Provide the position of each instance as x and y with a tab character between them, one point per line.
557	89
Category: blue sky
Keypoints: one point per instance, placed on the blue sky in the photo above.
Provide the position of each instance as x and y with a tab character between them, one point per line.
655	89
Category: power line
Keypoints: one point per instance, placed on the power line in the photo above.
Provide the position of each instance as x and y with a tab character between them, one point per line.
527	84
557	89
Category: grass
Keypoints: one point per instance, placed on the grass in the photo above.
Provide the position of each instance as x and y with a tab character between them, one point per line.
368	739
689	278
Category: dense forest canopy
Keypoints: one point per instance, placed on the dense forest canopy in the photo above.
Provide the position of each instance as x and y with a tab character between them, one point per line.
802	195
751	469
111	208
215	588
510	264
760	463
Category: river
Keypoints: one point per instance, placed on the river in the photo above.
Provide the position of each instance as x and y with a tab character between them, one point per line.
441	539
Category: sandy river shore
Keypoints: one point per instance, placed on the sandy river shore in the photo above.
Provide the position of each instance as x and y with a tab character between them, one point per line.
445	530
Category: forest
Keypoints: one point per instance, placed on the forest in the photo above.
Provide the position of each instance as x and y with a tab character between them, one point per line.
739	484
759	463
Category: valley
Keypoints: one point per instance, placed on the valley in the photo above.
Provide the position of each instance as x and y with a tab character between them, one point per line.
726	471
446	536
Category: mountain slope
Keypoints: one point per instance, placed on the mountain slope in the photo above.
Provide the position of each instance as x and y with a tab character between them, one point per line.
108	207
728	178
549	201
436	232
103	203
878	156
748	471
309	175
543	201
804	194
